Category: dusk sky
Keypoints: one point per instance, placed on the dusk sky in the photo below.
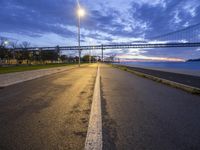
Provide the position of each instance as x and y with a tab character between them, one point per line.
54	22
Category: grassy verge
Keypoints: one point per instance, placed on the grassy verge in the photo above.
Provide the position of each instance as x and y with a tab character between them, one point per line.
11	69
186	88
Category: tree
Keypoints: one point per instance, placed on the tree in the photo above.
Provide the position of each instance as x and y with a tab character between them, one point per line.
64	58
25	54
3	42
14	45
25	45
49	55
86	58
4	53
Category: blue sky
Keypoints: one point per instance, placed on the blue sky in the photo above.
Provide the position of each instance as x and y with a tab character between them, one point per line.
54	22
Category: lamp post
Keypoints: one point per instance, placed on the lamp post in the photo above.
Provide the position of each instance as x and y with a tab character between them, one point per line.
90	43
81	13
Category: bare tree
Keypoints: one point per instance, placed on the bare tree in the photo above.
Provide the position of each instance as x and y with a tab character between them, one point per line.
14	45
4	53
25	45
25	54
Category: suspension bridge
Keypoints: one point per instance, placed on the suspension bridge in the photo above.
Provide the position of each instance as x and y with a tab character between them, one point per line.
187	37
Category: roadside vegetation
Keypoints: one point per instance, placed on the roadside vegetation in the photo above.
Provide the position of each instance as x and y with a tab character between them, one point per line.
23	59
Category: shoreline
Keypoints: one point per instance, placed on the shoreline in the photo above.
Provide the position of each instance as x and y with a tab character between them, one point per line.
170	70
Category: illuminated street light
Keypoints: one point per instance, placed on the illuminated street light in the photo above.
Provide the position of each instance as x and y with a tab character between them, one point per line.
6	43
80	13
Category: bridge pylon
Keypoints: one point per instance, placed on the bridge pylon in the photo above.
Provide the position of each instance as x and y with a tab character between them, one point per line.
102	49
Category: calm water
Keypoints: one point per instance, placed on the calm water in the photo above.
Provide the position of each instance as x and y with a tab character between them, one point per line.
193	66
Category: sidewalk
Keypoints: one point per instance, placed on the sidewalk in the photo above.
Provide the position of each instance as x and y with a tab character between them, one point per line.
189	80
18	77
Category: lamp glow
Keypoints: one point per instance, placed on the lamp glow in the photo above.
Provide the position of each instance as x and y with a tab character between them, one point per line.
81	12
6	42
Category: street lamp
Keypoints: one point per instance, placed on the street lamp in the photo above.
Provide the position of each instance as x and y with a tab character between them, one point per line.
6	43
80	13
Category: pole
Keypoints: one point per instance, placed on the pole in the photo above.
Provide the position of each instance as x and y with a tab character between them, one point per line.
102	52
90	57
79	48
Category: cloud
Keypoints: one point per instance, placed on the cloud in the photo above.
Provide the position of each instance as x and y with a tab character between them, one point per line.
41	40
153	3
126	57
198	49
47	22
191	7
35	16
177	19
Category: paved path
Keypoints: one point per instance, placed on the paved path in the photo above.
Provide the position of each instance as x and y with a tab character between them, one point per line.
48	113
52	112
173	70
142	114
189	80
18	77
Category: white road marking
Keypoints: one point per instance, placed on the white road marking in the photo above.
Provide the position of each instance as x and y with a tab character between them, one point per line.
94	133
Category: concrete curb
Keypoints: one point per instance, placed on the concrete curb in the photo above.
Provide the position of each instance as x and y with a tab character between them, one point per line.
184	87
94	133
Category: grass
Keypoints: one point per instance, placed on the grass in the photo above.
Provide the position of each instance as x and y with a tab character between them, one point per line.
11	69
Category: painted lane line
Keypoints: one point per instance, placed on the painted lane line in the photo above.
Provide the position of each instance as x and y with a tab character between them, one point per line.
94	133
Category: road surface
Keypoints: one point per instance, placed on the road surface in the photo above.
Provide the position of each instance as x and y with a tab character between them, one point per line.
47	113
140	114
52	112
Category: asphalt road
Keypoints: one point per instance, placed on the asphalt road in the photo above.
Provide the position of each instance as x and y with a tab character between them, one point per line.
140	114
48	113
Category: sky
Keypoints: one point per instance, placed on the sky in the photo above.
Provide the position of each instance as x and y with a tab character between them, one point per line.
54	22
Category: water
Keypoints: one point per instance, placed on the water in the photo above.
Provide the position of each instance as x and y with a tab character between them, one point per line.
166	65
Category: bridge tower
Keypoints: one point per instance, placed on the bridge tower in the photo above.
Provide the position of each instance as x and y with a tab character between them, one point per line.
102	52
